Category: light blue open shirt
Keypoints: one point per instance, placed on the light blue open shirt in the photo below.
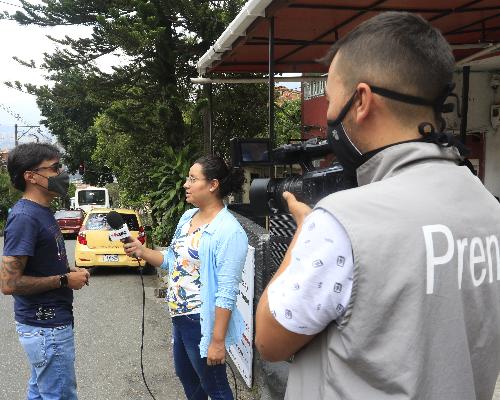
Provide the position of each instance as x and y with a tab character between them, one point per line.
222	249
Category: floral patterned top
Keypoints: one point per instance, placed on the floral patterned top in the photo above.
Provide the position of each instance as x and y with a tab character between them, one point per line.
183	294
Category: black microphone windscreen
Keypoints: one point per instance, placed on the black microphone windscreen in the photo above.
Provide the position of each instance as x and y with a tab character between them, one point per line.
115	220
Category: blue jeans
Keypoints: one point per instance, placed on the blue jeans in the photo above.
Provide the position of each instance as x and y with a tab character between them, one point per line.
198	379
51	354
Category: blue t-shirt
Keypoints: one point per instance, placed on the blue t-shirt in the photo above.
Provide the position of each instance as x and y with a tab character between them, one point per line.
32	231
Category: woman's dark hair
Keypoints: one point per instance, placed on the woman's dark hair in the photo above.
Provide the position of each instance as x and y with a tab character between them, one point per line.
230	179
27	156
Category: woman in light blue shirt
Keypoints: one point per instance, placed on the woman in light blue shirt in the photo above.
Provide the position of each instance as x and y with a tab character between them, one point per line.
204	263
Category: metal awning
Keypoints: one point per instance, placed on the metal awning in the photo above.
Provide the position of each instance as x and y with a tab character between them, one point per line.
305	29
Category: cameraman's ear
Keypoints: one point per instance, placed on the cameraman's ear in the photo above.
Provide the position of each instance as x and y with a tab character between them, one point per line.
363	104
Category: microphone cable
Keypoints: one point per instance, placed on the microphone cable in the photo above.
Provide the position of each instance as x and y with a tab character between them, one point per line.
142	343
115	221
142	330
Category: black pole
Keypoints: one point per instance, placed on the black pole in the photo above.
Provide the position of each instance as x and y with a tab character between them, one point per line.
465	103
15	135
272	136
210	119
207	120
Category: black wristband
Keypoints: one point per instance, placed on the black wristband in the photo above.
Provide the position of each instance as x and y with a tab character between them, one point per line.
63	281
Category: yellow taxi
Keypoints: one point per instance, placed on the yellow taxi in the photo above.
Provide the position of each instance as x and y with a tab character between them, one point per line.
93	246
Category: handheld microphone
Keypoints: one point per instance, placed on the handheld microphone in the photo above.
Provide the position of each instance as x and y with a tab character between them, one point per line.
120	229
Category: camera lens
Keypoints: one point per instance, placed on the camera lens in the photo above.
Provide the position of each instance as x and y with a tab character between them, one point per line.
259	197
266	195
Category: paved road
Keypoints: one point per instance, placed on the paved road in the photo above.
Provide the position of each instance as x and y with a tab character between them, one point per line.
108	335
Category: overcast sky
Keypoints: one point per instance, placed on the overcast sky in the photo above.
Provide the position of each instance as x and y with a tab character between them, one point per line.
27	43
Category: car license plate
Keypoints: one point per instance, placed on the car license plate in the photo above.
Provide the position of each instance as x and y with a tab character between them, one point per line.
66	231
110	258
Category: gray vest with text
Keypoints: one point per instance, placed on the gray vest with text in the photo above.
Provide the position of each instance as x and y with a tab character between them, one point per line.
424	317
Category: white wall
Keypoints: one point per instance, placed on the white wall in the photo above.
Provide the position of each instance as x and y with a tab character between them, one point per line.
481	97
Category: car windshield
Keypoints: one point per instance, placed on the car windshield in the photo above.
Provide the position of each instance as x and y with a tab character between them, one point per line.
86	197
97	221
67	214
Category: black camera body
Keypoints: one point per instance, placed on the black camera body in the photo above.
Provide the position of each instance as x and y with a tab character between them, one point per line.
266	194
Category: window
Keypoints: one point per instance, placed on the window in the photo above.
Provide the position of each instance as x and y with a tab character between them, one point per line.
98	222
314	89
91	197
61	214
131	221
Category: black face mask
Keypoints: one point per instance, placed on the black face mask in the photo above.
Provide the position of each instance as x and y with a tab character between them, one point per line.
344	149
58	184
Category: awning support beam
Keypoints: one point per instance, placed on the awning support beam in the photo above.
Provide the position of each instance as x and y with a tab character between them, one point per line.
334	29
479	21
210	118
465	103
272	136
204	81
382	9
481	53
262	40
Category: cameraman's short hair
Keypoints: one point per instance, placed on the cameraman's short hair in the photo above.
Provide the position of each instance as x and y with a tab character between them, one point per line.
27	156
395	50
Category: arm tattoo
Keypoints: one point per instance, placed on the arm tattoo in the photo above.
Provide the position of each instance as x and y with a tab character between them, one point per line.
12	280
12	269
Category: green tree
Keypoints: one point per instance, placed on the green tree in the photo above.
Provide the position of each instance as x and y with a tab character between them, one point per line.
161	40
8	196
169	199
240	110
288	121
60	203
121	124
69	109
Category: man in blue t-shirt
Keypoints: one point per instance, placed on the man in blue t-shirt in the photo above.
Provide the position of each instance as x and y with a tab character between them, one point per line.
35	271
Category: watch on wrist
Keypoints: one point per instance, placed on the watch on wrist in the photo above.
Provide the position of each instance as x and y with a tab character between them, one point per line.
63	281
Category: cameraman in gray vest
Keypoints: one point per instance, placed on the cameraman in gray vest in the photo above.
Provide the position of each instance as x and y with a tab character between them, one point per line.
390	290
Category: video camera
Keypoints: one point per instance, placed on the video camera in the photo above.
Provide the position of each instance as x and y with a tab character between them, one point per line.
266	194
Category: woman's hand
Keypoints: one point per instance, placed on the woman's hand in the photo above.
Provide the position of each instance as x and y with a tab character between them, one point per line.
134	249
216	353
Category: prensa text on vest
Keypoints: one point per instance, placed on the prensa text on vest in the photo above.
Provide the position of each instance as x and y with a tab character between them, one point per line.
480	253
